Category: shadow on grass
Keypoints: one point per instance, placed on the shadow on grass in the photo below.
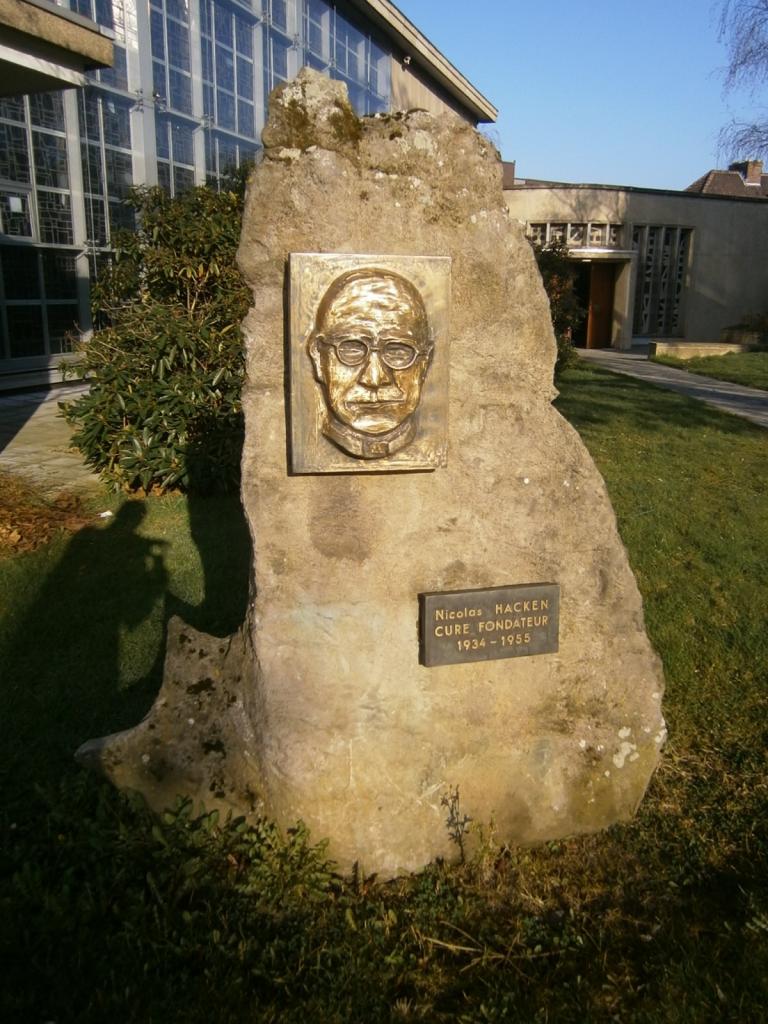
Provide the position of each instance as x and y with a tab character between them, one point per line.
85	656
593	397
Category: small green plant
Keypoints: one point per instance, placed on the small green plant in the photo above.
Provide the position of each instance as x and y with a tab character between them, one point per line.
558	273
166	364
456	822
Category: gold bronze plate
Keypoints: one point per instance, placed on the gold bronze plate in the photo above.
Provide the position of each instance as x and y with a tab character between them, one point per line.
368	362
458	626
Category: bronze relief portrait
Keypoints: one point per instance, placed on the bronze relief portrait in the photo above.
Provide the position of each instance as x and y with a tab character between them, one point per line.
369	359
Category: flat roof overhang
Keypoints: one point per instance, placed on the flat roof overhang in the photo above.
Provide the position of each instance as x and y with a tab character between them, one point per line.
393	23
43	47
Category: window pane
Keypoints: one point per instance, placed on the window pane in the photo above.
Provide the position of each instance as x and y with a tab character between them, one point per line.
244	36
164	176
223	26
55	217
183	147
181	91
178	45
25	331
178	9
183	179
244	79
158	38
46	110
14	159
92	174
62	327
245	118
119	173
15	219
50	160
20	272
59	274
117	122
96	221
225	69
161	138
226	110
117	75
12	107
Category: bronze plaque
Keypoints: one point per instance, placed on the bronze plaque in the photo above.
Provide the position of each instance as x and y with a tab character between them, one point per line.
368	362
498	622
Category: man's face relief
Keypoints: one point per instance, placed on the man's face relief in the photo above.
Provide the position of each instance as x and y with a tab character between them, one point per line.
371	350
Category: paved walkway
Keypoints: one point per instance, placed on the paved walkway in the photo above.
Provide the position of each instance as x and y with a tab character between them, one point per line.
34	441
749	403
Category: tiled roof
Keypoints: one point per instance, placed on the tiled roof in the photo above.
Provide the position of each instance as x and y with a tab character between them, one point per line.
729	183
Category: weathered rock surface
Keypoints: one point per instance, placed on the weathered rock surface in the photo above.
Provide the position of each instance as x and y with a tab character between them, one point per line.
333	719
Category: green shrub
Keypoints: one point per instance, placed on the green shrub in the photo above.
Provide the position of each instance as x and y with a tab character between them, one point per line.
558	273
166	363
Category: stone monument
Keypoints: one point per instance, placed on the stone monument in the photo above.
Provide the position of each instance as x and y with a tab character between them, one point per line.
440	598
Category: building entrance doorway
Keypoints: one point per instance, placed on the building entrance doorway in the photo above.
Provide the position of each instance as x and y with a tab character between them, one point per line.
595	285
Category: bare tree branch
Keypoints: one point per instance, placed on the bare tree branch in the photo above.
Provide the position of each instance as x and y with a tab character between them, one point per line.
745	140
743	27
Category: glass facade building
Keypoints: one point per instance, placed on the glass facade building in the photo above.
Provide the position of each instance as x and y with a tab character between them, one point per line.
184	102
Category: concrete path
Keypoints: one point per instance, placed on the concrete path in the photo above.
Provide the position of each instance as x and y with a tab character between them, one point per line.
749	403
35	441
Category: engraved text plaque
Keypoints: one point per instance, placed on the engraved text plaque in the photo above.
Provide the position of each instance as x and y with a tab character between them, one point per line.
480	625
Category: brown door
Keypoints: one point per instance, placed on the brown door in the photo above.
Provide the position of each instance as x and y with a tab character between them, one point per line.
600	315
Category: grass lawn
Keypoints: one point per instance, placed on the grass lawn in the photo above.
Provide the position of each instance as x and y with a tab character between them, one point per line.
107	915
748	368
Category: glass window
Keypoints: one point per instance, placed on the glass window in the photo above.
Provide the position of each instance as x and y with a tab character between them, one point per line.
223	25
225	69
117	75
62	326
279	14
178	9
183	178
15	217
178	45
12	108
20	273
245	123
538	233
158	36
92	171
88	106
119	173
59	274
96	221
225	107
161	138
164	176
557	232
117	122
244	36
55	217
14	158
180	91
50	160
25	330
183	146
46	110
244	78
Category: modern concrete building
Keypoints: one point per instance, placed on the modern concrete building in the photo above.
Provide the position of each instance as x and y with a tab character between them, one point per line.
656	264
184	101
43	46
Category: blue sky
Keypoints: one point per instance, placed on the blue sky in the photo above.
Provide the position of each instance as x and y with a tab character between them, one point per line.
623	92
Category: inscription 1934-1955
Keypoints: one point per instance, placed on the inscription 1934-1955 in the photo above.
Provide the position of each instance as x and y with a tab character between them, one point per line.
498	622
